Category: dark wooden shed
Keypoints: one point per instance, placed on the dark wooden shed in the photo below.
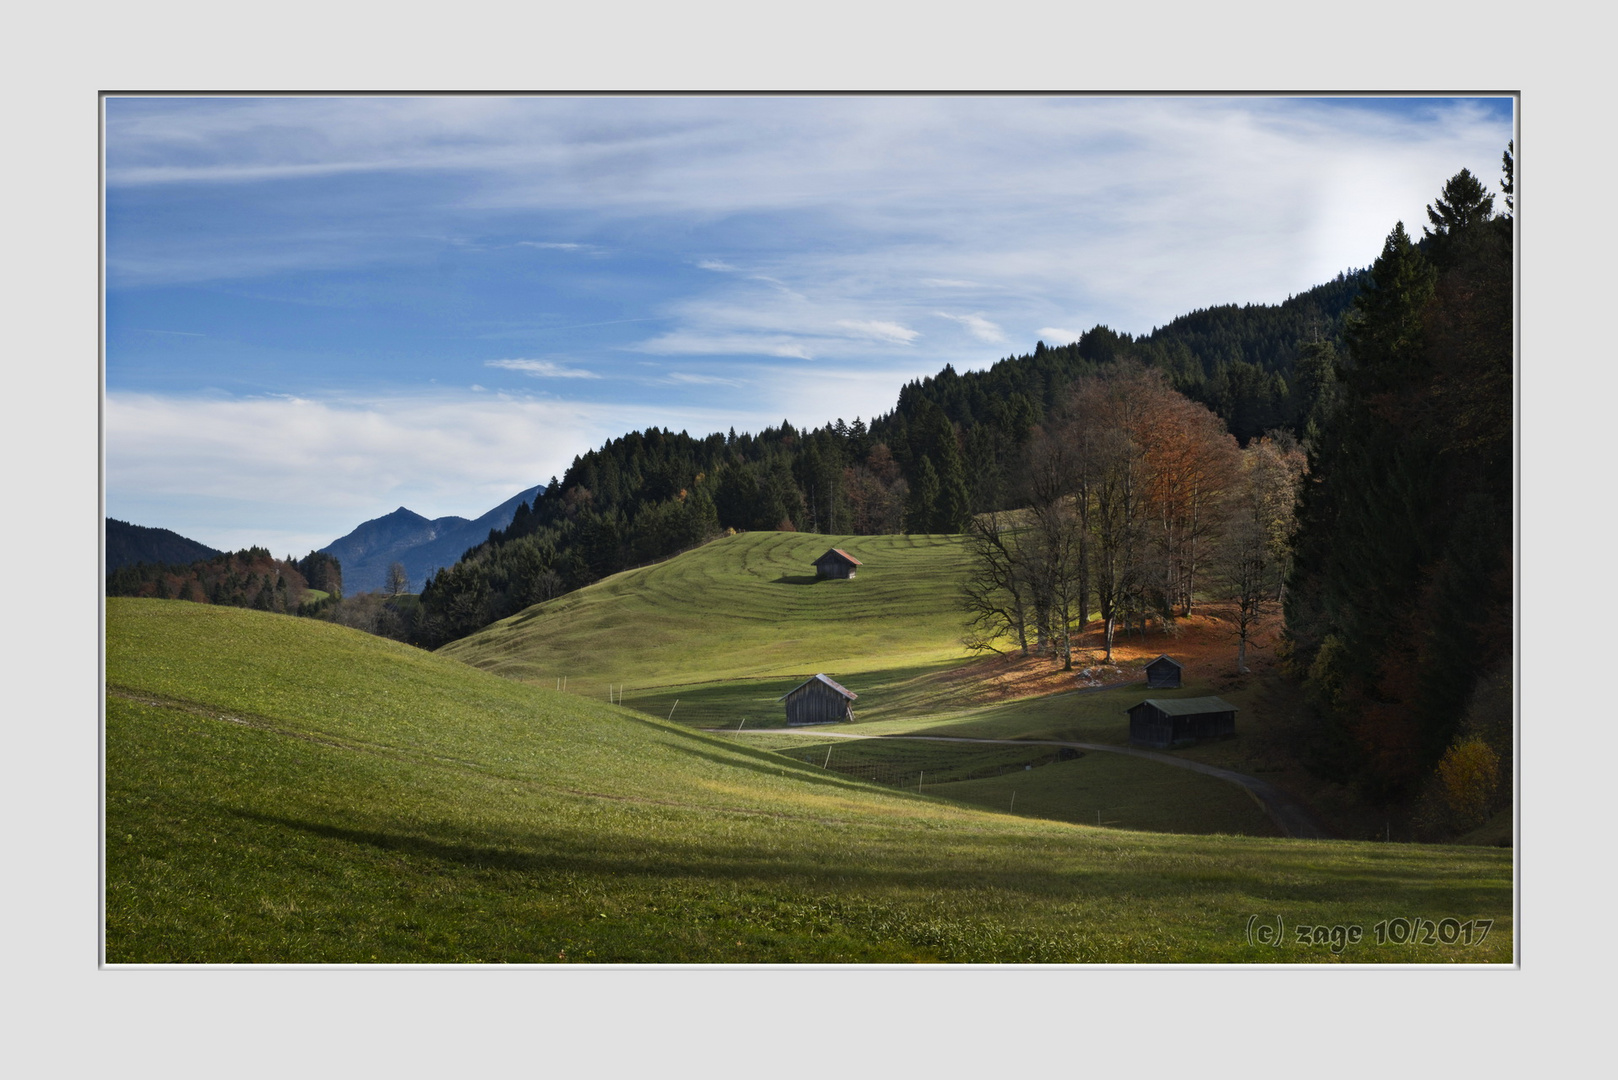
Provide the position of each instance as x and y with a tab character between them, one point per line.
819	701
1163	674
1162	722
836	563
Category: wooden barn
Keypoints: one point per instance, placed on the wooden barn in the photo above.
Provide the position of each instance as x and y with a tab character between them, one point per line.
819	701
1162	722
836	563
1163	674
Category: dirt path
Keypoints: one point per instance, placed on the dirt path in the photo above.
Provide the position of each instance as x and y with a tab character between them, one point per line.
1290	814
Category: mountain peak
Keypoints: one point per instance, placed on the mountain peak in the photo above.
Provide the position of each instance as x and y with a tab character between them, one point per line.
423	545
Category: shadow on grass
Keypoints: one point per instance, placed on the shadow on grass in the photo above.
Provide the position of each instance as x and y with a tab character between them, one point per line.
1285	875
797	579
774	765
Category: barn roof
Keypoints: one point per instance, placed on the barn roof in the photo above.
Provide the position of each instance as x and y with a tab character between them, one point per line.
849	694
841	554
1166	656
1188	706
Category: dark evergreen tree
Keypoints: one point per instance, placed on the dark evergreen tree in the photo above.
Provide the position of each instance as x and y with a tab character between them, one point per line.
921	510
1400	597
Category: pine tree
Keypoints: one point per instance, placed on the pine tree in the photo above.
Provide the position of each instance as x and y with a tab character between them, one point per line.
1457	217
921	509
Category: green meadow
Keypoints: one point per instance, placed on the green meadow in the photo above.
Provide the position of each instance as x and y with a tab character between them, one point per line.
744	607
712	639
285	790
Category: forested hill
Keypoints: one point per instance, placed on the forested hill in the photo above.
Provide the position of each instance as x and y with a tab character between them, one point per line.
130	544
1240	361
950	448
250	578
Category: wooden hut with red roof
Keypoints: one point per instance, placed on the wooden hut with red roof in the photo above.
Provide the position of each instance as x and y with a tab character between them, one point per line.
836	563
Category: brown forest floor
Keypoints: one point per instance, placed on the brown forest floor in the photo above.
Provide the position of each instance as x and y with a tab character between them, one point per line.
1204	643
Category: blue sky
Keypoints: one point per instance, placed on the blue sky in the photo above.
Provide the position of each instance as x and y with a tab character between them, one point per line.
320	309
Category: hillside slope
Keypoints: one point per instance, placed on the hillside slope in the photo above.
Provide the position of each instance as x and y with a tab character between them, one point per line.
746	606
282	790
130	544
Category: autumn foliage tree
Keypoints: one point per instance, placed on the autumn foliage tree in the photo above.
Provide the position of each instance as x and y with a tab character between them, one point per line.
1123	498
1255	552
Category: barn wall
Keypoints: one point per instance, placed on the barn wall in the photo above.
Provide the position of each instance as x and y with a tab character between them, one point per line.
817	703
1148	727
1204	726
1163	677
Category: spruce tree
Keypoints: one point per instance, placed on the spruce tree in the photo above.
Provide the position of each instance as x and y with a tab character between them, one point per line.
953	505
921	508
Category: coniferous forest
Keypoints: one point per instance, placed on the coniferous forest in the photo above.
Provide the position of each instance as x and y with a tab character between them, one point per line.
1400	610
955	445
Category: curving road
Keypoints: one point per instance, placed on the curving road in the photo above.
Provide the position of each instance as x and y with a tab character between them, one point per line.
1290	814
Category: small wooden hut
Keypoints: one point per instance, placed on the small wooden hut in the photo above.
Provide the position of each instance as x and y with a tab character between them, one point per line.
818	701
1163	674
1163	722
836	563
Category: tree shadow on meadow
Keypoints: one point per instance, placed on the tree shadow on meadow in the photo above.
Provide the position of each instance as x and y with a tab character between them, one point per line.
1283	876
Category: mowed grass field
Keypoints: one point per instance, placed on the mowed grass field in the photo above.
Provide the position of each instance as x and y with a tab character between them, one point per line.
743	607
285	790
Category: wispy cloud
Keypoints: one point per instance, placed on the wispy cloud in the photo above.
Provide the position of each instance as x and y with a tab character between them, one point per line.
977	326
716	266
879	331
691	379
559	245
542	369
1056	335
721	344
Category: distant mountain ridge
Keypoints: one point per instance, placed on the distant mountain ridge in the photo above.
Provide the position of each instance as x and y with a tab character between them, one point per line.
422	545
130	544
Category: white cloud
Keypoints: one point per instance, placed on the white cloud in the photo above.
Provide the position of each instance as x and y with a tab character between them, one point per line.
977	326
545	369
236	471
1055	335
716	266
721	344
879	331
548	245
691	379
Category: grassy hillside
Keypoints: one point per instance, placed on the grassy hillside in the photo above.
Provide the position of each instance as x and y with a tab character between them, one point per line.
747	606
287	790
